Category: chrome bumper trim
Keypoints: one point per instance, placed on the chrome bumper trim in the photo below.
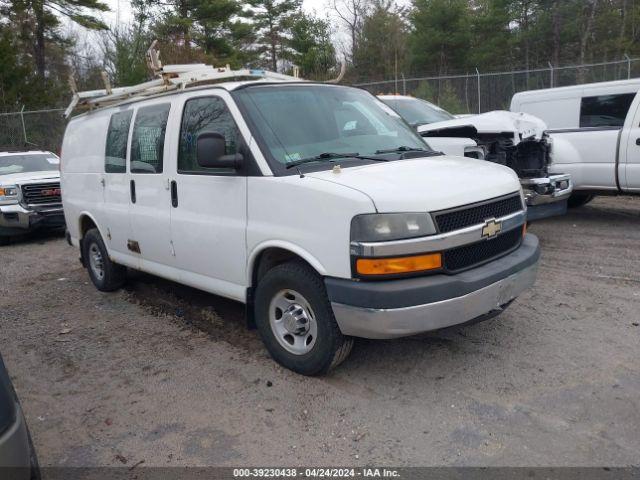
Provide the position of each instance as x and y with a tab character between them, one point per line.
552	183
400	322
434	243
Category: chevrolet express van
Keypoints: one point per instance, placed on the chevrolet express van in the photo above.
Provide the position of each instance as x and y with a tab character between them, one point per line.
313	204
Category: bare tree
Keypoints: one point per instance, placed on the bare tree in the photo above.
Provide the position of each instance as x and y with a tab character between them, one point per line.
351	13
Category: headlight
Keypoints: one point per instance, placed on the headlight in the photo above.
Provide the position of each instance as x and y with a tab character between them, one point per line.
381	227
9	194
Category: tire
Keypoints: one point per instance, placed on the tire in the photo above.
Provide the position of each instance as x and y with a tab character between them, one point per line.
4	240
106	275
305	306
579	199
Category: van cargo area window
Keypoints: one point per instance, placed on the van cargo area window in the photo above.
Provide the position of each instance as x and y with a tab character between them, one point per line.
115	155
147	144
605	110
205	114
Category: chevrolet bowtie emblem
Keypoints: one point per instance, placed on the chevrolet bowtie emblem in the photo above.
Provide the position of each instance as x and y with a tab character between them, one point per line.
491	228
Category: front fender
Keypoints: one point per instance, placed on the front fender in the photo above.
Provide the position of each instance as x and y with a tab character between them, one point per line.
284	245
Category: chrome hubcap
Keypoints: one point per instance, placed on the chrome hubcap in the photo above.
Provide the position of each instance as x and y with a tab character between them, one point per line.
96	261
293	322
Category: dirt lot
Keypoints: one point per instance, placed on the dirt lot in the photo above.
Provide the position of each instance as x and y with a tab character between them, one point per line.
169	375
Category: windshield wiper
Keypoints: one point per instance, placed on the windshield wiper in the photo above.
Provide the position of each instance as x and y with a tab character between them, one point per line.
404	149
328	156
400	149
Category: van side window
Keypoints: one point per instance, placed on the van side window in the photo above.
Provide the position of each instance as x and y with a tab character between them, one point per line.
115	155
147	143
206	114
605	110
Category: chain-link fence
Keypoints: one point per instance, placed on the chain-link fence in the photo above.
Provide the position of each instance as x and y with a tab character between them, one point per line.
471	93
36	129
479	91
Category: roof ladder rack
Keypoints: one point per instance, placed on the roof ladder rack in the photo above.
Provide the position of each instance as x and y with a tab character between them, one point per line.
170	77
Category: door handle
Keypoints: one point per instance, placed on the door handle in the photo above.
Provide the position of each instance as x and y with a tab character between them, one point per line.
132	188
174	194
102	182
638	141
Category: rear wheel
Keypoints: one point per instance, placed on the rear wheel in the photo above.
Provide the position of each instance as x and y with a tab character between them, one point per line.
106	275
296	322
578	199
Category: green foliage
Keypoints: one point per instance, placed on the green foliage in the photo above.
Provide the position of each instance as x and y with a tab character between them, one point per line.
311	47
272	20
441	35
381	42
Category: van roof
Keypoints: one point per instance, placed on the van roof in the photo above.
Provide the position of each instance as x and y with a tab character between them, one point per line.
632	82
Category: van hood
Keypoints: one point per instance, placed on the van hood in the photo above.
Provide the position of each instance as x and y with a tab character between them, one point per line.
519	126
426	184
28	177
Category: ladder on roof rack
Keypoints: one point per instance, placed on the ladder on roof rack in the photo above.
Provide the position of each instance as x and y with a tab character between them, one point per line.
170	77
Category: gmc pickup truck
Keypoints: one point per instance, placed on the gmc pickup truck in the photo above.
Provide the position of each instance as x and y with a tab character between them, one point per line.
595	133
516	140
30	196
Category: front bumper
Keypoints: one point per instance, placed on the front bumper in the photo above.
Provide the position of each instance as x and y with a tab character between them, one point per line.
397	308
16	219
546	197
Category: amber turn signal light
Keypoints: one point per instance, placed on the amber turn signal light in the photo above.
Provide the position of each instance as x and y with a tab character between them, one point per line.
396	265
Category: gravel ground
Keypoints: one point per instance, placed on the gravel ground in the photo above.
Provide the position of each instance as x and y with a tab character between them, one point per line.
167	375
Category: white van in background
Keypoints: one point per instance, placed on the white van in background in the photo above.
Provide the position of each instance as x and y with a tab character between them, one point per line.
313	204
594	131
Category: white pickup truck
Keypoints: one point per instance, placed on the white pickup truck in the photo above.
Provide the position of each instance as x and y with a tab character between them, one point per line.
516	140
30	196
313	204
595	133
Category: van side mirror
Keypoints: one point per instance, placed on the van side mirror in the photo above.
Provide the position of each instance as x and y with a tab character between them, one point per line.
210	152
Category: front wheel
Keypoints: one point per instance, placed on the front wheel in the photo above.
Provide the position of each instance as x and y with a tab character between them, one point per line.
296	322
578	199
106	275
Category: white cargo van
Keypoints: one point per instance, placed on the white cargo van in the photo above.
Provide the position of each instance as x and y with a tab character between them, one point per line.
313	204
594	130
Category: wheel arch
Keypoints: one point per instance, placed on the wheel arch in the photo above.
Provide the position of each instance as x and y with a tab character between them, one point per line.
270	254
266	256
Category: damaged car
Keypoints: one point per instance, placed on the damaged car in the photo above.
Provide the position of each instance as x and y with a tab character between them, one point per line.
517	140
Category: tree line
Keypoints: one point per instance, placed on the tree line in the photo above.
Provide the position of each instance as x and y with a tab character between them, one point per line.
379	39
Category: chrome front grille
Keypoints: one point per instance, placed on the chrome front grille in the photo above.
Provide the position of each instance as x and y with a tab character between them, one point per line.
462	217
41	193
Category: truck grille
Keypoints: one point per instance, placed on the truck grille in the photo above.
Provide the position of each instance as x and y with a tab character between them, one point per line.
462	217
41	193
467	256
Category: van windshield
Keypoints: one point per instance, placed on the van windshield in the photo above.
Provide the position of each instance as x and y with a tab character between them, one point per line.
28	163
298	122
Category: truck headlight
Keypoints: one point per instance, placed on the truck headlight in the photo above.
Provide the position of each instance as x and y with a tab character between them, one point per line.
381	227
8	194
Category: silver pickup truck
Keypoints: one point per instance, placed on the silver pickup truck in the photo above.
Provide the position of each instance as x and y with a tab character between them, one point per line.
30	196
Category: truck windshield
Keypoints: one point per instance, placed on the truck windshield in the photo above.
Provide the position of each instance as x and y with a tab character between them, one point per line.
28	163
298	122
417	112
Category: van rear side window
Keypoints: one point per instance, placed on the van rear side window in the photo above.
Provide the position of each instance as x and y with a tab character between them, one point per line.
115	155
147	143
605	110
